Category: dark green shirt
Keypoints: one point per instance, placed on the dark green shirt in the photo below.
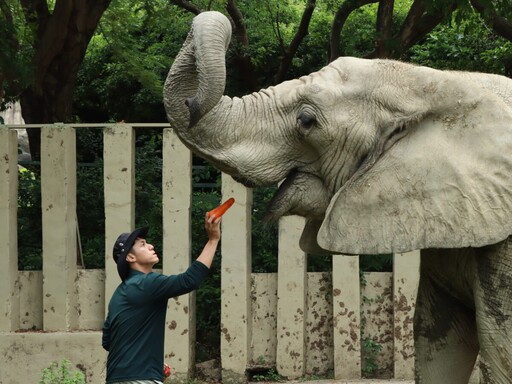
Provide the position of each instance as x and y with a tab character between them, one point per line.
133	333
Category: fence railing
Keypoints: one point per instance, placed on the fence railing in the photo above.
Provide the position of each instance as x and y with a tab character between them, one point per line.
302	323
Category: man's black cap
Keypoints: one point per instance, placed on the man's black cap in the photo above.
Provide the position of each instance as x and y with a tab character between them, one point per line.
123	245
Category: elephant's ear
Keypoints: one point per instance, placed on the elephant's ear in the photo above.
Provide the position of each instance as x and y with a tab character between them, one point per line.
447	183
308	242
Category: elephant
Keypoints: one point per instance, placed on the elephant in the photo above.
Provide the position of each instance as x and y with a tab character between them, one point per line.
379	156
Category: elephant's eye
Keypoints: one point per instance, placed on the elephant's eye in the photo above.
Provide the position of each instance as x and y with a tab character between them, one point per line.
306	120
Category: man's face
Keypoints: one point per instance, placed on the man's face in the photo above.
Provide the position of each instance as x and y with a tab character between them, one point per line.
142	253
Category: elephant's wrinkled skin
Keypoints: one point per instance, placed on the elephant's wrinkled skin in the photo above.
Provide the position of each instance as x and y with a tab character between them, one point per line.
379	156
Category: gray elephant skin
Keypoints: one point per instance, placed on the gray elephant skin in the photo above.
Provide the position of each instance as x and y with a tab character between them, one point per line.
379	156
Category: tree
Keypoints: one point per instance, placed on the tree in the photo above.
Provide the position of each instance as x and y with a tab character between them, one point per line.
43	43
421	19
127	60
58	34
275	9
497	15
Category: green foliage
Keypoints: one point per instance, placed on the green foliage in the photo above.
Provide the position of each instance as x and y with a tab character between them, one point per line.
29	220
264	242
370	348
467	45
16	53
123	72
90	197
122	75
62	374
270	375
313	52
376	263
358	34
148	184
208	296
370	351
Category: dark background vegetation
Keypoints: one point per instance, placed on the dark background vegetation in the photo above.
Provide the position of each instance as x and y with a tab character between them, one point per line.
106	61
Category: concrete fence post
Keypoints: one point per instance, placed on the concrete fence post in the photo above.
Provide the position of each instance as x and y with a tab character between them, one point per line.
292	297
58	205
406	272
236	283
9	285
346	304
119	189
177	245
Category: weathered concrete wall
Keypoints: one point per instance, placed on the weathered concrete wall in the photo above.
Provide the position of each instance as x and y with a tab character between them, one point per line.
27	352
25	355
376	319
91	298
90	290
264	318
31	299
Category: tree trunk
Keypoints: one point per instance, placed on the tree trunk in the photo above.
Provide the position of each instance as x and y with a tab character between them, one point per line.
384	24
419	22
290	52
9	70
242	59
499	24
61	40
338	23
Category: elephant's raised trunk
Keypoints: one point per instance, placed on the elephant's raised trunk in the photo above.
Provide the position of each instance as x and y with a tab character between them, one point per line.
197	78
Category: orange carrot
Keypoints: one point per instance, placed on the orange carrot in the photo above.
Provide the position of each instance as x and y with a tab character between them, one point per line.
221	209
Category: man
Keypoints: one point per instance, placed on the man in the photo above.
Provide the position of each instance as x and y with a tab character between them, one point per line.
133	332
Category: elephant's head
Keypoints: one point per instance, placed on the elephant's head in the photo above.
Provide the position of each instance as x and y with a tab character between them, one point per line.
379	156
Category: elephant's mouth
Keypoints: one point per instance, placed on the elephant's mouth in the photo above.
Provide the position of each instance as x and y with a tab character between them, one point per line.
300	193
245	181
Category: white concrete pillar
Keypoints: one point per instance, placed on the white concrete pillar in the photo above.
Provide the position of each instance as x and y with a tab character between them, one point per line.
291	305
236	282
406	269
119	190
9	287
177	245
58	204
346	303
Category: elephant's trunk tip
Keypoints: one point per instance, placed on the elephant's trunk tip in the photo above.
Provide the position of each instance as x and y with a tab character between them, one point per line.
194	109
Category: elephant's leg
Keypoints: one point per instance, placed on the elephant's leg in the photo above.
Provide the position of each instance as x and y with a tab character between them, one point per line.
493	302
445	335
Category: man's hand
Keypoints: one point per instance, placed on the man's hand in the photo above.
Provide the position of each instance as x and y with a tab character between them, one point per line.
212	226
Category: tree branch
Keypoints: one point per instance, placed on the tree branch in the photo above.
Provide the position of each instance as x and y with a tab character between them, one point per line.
338	23
52	35
275	25
239	29
383	29
10	48
242	60
187	5
418	23
35	11
501	25
302	32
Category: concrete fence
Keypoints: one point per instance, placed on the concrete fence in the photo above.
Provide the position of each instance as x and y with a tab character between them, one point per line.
299	322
